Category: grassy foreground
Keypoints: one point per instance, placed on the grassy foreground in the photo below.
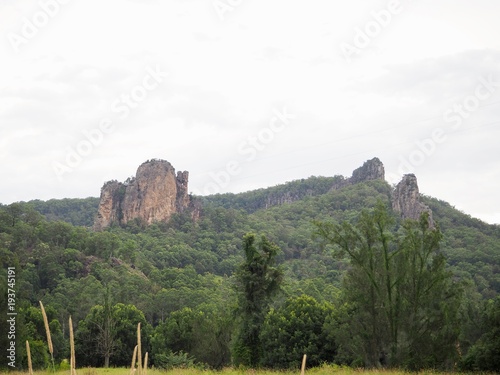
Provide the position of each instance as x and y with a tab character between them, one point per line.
325	370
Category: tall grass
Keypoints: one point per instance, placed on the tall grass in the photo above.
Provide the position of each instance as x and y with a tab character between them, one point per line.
141	366
145	369
132	366
322	370
28	353
72	348
139	352
47	331
303	367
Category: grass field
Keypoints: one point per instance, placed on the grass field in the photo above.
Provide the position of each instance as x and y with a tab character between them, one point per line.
325	370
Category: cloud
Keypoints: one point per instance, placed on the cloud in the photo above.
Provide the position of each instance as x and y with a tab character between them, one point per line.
225	79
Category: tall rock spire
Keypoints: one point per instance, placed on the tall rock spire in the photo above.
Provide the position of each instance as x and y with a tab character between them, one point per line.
406	199
153	195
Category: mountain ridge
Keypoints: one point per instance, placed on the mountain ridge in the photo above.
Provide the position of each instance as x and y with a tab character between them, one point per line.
407	199
182	265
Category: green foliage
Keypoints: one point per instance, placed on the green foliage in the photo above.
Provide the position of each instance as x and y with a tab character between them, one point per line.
171	360
164	268
471	246
262	198
110	331
295	329
39	355
485	354
429	299
178	333
257	282
203	334
30	324
78	212
403	303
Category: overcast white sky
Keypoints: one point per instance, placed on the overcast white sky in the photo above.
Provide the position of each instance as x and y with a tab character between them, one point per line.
200	82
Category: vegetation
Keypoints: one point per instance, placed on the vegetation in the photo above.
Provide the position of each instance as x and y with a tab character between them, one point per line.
75	211
257	282
323	370
204	292
402	303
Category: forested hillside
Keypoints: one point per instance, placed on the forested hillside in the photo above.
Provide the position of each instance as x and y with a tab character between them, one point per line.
79	212
183	280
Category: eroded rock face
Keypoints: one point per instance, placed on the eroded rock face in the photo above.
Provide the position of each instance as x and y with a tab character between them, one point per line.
109	205
155	194
370	170
406	199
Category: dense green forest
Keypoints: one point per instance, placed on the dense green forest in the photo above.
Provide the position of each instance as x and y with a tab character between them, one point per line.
79	212
339	276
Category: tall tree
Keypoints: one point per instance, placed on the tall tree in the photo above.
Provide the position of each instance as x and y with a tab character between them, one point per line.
108	335
369	284
257	282
430	299
295	329
403	304
484	355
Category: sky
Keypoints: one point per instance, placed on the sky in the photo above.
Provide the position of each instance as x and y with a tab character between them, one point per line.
247	94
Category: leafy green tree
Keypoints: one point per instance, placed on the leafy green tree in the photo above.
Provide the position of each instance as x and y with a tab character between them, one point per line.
39	355
30	326
295	329
257	282
370	282
95	338
484	355
175	338
126	318
178	332
430	300
108	335
202	334
403	303
214	336
103	244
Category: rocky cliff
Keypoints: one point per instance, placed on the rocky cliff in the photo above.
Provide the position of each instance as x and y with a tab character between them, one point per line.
406	199
154	194
370	170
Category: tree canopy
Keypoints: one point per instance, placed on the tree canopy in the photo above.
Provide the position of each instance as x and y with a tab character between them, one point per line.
386	292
